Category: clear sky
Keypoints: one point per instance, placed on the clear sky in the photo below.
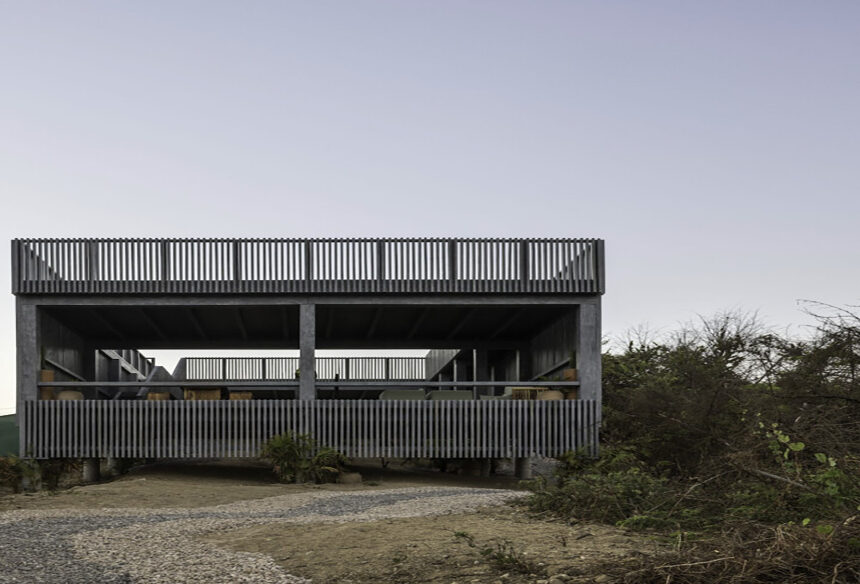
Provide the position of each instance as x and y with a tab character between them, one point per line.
715	146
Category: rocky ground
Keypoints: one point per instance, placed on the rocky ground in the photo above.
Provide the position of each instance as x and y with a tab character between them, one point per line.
231	523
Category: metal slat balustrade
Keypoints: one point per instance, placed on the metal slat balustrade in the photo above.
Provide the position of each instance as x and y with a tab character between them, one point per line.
285	368
357	428
307	266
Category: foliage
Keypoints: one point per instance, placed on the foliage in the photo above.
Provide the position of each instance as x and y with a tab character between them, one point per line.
53	470
735	432
11	473
298	458
825	553
614	488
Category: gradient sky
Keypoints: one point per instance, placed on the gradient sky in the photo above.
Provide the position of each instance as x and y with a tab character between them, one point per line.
715	146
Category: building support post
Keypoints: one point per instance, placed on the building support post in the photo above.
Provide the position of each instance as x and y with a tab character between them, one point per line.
523	468
90	471
307	348
28	363
588	346
524	363
480	370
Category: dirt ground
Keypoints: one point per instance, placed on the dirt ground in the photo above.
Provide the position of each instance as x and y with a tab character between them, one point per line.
498	544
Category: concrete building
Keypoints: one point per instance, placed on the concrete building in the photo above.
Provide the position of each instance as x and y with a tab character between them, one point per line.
493	314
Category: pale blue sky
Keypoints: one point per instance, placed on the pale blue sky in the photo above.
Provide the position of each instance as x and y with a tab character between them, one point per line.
714	145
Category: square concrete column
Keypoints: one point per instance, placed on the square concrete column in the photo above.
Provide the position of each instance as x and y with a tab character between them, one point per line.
481	369
28	360
307	349
588	349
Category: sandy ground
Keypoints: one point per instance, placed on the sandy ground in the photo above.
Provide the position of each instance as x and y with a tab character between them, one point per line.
499	544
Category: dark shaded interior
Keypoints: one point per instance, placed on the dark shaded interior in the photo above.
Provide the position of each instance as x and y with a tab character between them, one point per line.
372	326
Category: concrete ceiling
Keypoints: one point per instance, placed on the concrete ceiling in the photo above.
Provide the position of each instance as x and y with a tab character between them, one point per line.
348	326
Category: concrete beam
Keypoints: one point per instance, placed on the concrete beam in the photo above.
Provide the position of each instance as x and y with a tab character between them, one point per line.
508	322
418	322
307	348
152	324
96	315
195	322
459	326
269	300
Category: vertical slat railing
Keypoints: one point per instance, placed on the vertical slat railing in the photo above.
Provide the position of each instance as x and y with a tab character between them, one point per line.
182	429
209	266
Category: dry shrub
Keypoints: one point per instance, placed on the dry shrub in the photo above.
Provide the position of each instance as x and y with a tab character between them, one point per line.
747	553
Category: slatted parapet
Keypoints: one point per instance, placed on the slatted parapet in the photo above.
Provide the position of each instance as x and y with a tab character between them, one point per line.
283	368
307	266
358	428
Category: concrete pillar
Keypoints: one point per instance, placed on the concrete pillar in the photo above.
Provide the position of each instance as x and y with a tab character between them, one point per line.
523	468
481	369
90	472
524	363
28	362
588	348
307	349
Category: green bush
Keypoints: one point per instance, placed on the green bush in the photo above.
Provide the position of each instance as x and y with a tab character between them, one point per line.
298	458
615	488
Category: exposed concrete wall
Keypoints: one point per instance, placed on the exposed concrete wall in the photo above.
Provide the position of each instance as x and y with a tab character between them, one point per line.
550	350
61	346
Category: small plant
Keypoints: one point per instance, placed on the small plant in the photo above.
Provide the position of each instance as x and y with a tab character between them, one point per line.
503	556
298	458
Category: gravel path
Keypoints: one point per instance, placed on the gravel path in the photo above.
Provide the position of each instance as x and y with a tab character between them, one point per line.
125	546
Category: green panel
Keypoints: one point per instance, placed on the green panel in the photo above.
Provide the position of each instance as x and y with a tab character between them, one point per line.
8	435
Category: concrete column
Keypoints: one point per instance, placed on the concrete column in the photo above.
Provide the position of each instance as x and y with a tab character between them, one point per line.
28	361
481	369
307	348
90	472
524	363
523	468
588	346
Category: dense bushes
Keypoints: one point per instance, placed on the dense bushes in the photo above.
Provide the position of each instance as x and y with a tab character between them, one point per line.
736	433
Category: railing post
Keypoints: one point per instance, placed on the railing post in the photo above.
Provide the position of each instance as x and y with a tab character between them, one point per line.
16	266
452	261
165	261
92	263
237	263
263	368
223	368
524	265
380	264
600	268
346	368
387	369
309	272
